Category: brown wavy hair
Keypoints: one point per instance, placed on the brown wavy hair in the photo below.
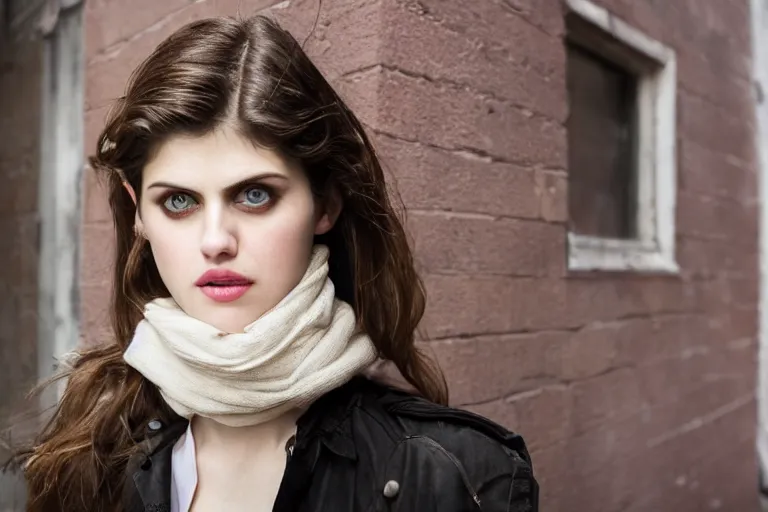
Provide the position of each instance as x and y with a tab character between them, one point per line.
253	76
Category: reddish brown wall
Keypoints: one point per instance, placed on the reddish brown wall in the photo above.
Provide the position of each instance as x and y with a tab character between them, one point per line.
20	83
634	393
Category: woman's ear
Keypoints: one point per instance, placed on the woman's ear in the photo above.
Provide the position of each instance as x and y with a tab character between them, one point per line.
138	225
328	211
131	192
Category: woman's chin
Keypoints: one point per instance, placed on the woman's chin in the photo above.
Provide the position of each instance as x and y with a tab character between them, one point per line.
227	319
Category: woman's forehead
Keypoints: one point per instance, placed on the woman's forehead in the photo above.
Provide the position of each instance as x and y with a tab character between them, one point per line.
220	158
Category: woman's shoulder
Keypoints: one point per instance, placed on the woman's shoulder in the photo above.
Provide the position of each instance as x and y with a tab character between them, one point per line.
415	415
431	442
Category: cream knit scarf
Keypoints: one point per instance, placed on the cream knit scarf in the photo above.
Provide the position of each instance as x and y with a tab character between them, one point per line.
305	346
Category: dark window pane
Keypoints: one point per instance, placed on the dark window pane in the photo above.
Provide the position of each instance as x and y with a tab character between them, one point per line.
602	143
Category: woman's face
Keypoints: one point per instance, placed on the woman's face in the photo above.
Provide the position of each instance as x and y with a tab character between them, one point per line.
230	225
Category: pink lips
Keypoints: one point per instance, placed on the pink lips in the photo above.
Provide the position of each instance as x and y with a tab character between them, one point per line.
223	285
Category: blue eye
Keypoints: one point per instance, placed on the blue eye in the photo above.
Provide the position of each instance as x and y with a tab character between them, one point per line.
255	197
177	203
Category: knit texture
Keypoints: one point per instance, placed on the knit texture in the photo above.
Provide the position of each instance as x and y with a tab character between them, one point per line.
302	348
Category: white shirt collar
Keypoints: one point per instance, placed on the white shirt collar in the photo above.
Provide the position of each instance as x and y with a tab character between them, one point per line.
183	472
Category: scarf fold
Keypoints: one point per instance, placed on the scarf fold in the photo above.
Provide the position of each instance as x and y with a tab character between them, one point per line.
304	347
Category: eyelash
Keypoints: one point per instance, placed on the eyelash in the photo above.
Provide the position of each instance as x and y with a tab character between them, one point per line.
273	196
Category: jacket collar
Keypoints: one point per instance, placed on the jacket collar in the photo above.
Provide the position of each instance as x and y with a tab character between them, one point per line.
148	472
327	421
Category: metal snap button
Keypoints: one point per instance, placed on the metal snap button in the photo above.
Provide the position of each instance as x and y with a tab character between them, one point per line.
391	489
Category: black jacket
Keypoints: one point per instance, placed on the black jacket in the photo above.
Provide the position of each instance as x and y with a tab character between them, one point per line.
367	447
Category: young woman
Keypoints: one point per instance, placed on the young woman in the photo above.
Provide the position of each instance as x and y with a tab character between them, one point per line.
260	269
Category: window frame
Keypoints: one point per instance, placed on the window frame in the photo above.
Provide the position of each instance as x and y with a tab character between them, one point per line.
655	66
60	189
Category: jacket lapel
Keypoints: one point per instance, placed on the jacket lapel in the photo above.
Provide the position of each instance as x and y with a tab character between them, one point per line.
148	473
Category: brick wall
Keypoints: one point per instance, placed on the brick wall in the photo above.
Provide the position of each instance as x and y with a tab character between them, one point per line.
619	383
20	83
635	393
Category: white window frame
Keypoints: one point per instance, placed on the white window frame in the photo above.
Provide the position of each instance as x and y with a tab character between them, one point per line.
60	190
656	67
60	25
759	15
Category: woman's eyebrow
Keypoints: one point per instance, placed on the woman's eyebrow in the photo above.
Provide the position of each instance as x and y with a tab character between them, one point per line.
229	189
236	187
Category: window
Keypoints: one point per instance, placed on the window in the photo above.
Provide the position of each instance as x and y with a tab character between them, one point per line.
602	138
621	139
60	185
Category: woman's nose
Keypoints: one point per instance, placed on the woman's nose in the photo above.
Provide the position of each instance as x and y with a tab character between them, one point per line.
219	238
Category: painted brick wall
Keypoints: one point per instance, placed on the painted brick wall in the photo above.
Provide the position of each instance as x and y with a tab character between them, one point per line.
634	393
20	83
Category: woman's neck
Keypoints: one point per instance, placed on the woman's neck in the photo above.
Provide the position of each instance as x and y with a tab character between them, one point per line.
240	468
212	435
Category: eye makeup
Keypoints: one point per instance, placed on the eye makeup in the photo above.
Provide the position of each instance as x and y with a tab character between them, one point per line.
250	195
